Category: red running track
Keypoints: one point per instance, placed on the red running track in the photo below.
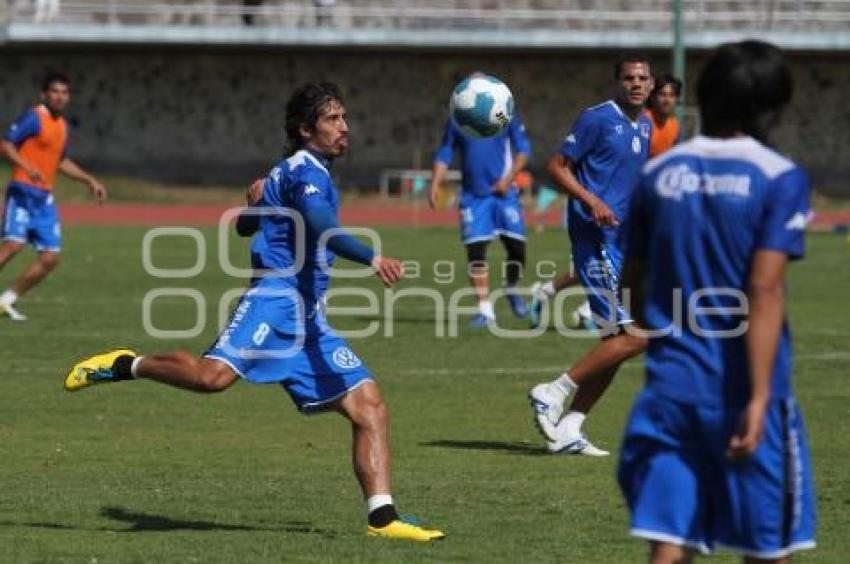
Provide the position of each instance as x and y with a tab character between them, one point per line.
366	215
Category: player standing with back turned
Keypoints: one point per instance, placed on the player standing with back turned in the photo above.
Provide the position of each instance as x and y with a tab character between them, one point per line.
715	452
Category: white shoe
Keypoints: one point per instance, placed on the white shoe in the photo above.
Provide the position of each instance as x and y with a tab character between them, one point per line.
582	317
13	314
578	445
548	406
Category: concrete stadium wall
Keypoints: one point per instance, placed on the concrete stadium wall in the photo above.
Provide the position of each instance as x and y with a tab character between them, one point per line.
216	116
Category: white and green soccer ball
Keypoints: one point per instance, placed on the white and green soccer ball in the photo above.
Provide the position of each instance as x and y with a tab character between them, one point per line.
481	105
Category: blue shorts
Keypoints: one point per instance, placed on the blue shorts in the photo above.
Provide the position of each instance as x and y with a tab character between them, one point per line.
598	267
31	217
681	488
483	218
269	339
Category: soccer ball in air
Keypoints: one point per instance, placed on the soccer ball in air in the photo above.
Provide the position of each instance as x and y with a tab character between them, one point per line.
481	105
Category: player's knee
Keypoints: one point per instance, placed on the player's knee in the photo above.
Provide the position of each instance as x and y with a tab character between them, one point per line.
212	376
372	411
11	248
49	260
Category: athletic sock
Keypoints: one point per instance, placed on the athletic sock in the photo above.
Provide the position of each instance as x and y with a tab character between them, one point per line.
564	385
584	310
571	423
9	297
486	309
122	367
381	510
548	289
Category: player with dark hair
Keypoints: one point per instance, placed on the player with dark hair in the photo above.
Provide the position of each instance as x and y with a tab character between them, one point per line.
660	109
715	453
36	145
489	206
598	165
278	332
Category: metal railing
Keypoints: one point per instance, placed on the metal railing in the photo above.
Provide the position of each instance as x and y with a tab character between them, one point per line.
522	15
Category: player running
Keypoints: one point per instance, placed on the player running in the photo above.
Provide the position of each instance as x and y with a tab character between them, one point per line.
598	165
489	206
36	145
278	332
715	453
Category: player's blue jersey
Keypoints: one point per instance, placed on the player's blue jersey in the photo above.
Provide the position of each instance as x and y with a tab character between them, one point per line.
608	150
700	213
484	160
297	183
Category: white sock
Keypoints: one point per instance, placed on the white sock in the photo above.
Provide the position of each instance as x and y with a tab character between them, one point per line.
486	309
564	385
135	366
380	500
9	297
584	310
548	289
571	423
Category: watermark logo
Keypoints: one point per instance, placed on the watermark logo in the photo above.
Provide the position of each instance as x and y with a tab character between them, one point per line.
293	295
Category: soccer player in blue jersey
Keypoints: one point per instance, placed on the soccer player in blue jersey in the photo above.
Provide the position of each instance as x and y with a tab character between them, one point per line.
715	453
489	206
278	332
598	165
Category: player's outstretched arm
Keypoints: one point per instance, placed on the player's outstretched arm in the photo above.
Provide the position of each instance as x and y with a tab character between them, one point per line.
766	295
8	149
561	169
74	171
438	172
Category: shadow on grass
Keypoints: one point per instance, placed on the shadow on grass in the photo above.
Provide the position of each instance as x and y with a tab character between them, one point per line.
513	447
144	522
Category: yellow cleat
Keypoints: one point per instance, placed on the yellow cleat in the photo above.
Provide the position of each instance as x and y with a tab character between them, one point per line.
405	531
94	370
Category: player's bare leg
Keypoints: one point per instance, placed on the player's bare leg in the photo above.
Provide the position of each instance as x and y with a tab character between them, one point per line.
370	420
369	417
8	249
586	381
37	270
179	369
184	370
667	553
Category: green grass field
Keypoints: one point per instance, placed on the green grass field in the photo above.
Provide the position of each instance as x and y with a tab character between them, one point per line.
137	472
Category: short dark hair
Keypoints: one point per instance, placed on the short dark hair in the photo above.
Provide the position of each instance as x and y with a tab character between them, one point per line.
666	80
304	107
743	88
629	57
51	77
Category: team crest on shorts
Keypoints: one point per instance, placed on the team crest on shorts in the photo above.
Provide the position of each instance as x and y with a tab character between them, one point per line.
344	357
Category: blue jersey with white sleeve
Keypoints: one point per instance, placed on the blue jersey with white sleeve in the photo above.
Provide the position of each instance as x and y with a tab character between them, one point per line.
701	212
608	150
483	160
